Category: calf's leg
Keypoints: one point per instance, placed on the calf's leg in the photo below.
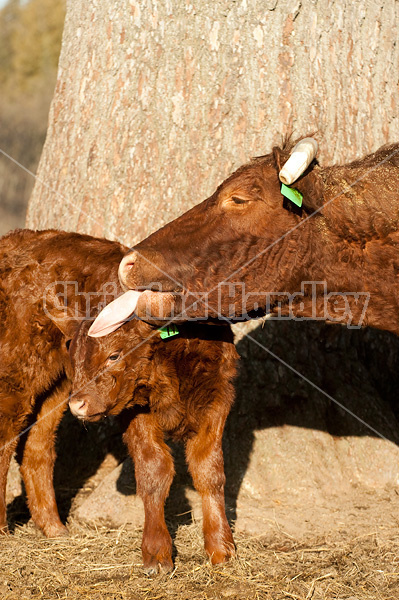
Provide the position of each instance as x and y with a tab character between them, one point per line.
10	427
38	462
205	461
154	472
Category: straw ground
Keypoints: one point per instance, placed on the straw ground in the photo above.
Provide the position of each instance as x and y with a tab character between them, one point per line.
100	563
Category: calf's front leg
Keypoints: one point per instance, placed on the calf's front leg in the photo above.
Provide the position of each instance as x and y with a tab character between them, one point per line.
154	471
38	462
205	461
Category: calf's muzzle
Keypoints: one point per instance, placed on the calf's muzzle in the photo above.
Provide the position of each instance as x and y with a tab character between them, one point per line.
79	406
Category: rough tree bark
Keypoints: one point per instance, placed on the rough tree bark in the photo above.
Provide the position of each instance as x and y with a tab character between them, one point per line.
155	104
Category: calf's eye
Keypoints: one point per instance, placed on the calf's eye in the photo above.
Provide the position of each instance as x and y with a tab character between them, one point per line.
113	357
237	200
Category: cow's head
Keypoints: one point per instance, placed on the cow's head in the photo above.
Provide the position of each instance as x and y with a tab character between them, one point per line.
234	247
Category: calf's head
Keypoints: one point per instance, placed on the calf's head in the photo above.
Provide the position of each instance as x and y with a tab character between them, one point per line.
111	372
231	244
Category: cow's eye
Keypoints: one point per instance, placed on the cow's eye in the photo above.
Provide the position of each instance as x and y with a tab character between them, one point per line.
235	202
238	200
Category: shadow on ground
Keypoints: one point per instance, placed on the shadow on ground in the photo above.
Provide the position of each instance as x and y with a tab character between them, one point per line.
357	370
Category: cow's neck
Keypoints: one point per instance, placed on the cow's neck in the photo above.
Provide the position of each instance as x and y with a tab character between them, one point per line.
358	280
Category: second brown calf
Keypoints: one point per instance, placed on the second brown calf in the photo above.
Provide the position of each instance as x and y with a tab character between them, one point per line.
39	271
179	388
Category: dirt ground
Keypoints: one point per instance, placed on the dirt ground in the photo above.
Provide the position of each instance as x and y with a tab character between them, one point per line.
356	558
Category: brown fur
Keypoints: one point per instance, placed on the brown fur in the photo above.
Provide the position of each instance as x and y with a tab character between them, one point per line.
34	362
180	388
351	242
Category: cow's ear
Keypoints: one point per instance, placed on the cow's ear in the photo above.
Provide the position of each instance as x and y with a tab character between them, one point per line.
310	184
280	156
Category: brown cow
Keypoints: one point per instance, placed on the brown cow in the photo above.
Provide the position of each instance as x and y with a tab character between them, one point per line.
34	362
251	251
179	387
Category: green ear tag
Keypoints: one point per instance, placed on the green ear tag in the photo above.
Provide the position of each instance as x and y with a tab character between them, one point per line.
292	194
168	331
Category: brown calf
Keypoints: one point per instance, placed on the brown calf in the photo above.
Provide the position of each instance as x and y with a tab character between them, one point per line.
34	362
181	388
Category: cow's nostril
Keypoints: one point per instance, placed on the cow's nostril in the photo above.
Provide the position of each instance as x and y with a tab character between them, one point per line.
125	266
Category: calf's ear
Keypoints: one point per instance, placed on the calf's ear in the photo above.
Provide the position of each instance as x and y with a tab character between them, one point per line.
63	315
114	314
66	324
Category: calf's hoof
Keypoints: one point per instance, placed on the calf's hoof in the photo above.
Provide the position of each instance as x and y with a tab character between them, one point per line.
4	529
221	554
54	531
156	550
158	567
159	563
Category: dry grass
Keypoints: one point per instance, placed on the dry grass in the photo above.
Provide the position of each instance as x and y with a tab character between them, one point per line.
103	564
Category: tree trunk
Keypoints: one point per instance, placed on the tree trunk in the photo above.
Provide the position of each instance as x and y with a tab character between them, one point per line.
155	104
